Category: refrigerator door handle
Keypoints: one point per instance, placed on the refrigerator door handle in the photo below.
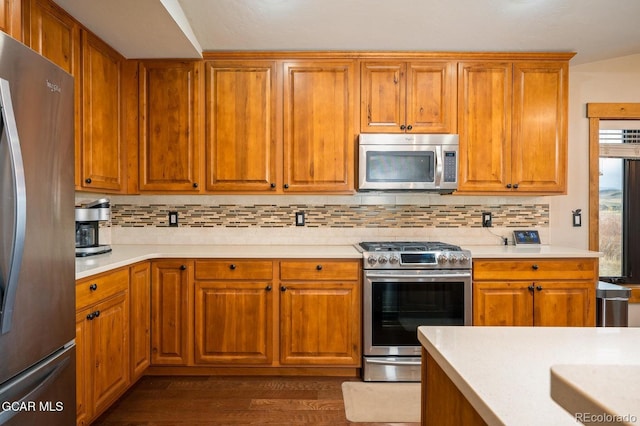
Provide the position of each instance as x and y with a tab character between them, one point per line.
31	384
16	204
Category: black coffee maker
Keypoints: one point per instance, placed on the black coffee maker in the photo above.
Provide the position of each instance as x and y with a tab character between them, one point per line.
88	218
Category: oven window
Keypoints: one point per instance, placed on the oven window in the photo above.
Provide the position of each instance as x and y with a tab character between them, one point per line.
398	166
399	308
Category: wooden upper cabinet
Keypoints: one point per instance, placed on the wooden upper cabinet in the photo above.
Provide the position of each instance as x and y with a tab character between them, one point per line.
512	122
319	135
240	135
54	34
11	18
101	153
484	125
416	97
169	117
539	135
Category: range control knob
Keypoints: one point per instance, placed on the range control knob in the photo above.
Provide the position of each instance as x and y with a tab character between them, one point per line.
371	260
393	259
463	258
382	260
443	258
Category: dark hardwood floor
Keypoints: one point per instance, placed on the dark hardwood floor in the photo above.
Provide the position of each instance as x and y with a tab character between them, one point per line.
232	400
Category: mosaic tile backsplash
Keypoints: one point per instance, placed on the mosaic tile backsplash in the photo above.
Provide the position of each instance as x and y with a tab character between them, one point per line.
330	215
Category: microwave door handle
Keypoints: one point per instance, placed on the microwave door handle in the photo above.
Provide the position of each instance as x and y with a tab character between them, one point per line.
438	166
14	189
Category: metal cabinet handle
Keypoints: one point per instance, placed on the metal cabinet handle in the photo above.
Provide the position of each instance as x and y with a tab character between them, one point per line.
283	288
183	267
409	127
531	287
273	185
268	288
195	184
515	186
88	180
509	185
535	267
403	127
232	267
286	186
93	287
319	267
539	288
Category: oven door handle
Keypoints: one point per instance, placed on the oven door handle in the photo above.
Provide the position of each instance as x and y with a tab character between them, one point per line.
413	277
390	362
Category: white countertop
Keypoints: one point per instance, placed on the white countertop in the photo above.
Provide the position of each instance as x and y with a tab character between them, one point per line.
524	251
123	255
505	372
598	390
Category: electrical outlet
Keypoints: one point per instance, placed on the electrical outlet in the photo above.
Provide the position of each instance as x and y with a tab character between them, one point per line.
299	218
486	219
173	218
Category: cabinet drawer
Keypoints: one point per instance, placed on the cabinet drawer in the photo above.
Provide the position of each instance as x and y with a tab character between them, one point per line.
94	289
234	270
534	269
319	270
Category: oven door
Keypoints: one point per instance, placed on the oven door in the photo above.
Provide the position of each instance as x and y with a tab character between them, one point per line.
396	302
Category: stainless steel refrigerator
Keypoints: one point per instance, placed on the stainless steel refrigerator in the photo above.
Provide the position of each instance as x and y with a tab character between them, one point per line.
37	243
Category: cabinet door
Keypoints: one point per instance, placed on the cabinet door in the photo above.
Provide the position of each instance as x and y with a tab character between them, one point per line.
140	319
109	350
539	136
10	18
383	97
502	303
54	34
169	126
171	331
83	366
565	304
319	136
430	104
484	125
240	140
233	322
101	150
320	323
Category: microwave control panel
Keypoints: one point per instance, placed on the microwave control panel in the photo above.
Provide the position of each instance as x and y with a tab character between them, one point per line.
450	172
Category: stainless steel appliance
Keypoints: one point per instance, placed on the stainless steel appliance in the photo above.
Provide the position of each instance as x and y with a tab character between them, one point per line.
612	305
88	218
37	265
427	162
408	284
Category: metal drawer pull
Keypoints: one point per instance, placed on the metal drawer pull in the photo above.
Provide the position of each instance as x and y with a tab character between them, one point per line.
93	287
384	362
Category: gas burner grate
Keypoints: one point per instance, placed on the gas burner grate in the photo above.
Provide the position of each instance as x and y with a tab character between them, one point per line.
408	246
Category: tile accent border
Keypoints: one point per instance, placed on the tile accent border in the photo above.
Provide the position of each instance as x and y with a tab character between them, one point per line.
330	215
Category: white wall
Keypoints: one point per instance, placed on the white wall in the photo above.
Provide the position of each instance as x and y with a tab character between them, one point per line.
614	80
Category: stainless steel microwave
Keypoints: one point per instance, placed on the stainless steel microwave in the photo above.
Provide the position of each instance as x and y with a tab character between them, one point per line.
397	162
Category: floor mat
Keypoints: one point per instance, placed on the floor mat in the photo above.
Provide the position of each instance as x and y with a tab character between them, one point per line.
381	402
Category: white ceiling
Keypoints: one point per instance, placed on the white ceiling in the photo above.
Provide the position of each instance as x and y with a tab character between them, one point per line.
595	29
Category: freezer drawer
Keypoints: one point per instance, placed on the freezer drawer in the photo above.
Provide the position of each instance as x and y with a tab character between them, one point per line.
42	395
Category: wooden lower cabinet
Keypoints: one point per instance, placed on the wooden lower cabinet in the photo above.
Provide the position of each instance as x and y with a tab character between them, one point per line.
277	313
140	277
534	292
234	305
171	312
102	340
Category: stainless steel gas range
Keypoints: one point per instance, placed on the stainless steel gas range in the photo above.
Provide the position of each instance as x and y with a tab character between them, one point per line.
408	284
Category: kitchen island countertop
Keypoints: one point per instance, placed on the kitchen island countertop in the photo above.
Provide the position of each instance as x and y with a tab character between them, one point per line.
505	372
123	255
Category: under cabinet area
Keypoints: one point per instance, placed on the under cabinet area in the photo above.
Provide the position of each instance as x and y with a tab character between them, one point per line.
534	292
